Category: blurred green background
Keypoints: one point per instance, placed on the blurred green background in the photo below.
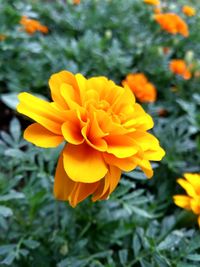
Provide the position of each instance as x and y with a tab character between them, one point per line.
139	225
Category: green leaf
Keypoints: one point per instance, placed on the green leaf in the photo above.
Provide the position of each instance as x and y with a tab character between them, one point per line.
5	211
10	100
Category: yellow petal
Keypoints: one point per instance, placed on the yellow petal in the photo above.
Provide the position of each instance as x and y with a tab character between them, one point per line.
70	95
199	221
63	186
102	189
41	111
195	205
55	82
81	192
125	164
71	129
146	167
84	164
113	175
182	201
188	187
121	146
194	180
40	136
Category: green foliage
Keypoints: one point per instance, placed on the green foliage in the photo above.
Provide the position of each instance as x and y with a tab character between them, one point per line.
139	225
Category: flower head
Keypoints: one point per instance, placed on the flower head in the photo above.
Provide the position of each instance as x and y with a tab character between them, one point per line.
76	2
191	185
32	25
172	23
178	66
105	131
152	2
189	11
2	37
141	87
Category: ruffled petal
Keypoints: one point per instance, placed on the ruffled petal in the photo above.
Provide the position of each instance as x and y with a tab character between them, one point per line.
40	136
121	146
55	82
84	164
81	192
63	186
41	111
125	164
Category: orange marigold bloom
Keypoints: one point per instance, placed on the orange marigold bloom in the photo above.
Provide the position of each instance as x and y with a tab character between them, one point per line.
105	131
152	2
141	87
32	25
189	11
191	184
2	37
157	10
76	2
172	23
178	66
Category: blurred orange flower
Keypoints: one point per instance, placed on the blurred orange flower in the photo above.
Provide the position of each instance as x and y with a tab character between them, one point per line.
152	2
191	184
76	2
166	50
157	10
141	87
189	11
178	66
105	128
172	23
32	25
2	37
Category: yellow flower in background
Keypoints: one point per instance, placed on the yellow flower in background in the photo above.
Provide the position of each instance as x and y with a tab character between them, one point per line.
32	25
189	11
172	23
191	201
105	130
141	87
152	2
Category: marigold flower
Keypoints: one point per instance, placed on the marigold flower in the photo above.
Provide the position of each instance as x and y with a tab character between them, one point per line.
32	25
178	66
157	10
191	184
152	2
189	11
105	129
2	37
172	23
76	2
141	87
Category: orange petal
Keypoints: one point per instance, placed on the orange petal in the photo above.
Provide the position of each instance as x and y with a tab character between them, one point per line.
55	82
40	136
114	175
63	186
146	167
84	164
125	164
81	192
199	221
71	129
41	111
122	146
